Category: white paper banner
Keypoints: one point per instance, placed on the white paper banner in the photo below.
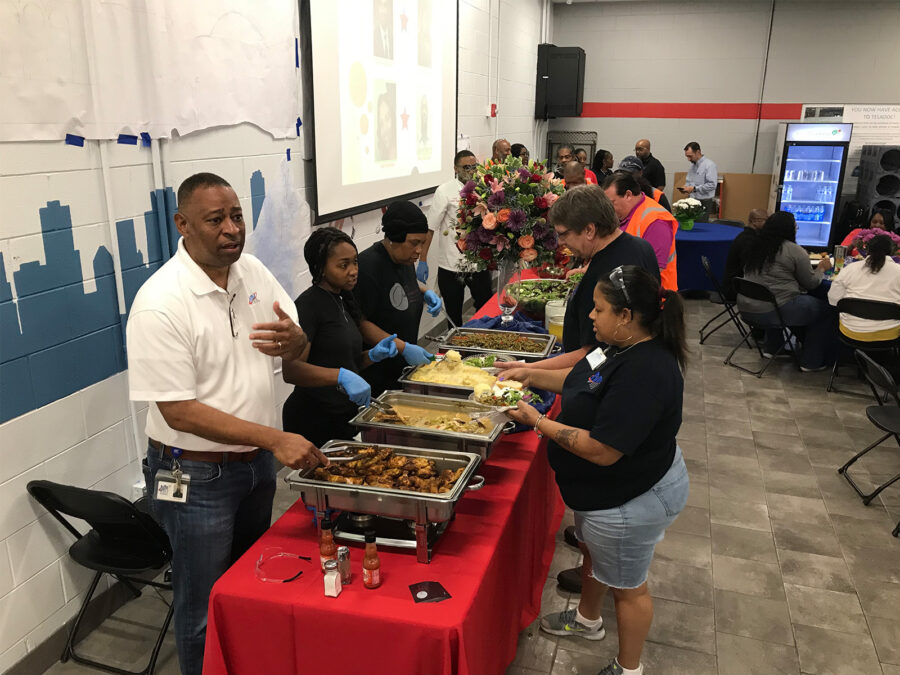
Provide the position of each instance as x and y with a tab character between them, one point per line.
99	69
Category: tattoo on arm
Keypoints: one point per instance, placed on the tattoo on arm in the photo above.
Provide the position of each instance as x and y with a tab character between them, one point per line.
566	438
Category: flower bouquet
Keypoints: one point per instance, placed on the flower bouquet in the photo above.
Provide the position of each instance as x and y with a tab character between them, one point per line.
861	240
686	210
502	216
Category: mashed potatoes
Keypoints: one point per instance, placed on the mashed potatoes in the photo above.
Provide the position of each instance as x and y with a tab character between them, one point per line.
451	370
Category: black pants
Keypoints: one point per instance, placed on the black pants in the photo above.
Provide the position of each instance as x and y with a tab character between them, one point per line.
452	286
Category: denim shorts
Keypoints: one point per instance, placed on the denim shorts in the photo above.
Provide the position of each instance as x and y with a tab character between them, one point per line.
621	540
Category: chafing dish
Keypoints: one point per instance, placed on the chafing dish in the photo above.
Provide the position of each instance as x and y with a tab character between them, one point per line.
421	507
548	342
447	390
387	433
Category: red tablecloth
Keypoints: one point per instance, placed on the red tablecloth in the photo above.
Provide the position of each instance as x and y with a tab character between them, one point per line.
493	560
492	307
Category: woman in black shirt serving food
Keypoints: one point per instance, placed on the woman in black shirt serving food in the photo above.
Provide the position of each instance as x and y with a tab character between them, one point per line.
328	369
614	453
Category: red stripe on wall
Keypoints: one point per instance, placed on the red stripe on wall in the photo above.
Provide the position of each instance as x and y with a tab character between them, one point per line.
695	111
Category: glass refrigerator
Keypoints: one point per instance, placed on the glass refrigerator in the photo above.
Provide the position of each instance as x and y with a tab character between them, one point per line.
807	176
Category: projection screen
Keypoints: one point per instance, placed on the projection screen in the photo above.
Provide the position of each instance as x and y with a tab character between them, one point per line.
384	100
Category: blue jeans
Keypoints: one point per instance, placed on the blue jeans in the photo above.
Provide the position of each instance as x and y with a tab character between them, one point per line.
818	322
228	507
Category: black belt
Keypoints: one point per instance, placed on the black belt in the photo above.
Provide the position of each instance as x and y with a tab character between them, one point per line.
201	456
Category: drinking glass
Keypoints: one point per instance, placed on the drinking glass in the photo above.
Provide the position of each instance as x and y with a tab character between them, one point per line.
508	272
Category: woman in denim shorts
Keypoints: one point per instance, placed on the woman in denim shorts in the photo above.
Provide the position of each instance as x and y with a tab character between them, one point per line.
614	454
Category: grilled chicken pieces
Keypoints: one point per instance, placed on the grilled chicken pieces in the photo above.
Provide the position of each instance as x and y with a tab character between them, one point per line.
382	468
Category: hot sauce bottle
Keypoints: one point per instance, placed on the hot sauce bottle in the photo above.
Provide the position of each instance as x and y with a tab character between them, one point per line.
371	563
327	547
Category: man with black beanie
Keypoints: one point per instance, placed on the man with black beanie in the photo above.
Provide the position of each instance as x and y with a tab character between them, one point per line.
390	296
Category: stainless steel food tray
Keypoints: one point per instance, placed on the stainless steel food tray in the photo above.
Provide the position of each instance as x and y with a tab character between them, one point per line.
421	507
447	390
390	434
548	341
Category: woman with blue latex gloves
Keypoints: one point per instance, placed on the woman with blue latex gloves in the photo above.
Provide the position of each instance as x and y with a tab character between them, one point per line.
390	297
328	388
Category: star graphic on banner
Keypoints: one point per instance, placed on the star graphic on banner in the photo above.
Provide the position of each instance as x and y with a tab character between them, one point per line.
403	21
405	119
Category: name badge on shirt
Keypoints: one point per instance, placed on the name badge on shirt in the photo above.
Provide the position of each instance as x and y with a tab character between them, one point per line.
596	358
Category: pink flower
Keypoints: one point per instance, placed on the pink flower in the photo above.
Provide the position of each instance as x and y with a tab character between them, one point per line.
489	221
550	197
496	186
480	209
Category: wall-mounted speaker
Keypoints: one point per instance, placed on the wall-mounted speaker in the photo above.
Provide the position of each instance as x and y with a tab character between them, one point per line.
559	90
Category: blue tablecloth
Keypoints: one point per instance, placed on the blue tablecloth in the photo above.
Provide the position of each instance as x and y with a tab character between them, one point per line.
710	239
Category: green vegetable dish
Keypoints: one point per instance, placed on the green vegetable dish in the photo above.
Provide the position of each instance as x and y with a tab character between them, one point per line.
533	294
481	361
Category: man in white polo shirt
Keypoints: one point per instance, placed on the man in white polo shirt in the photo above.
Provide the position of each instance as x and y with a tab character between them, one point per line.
202	336
442	227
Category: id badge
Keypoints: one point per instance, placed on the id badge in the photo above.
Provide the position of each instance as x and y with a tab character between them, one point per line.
170	488
596	358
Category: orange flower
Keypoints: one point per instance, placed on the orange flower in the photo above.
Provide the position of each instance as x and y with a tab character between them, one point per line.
503	215
528	254
489	222
526	241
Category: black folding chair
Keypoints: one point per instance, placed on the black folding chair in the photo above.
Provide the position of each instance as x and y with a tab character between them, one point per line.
124	541
726	303
866	309
885	417
756	291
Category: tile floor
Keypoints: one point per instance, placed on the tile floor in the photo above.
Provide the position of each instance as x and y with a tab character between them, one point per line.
775	566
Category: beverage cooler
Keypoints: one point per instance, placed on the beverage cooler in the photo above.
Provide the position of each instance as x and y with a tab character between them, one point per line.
807	177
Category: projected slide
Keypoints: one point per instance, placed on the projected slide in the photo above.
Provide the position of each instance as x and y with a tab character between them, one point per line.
390	128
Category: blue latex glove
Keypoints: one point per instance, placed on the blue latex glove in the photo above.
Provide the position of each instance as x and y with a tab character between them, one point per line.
414	355
422	271
384	349
356	388
433	303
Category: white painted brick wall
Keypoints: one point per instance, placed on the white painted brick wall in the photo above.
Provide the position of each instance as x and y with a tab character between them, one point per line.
86	439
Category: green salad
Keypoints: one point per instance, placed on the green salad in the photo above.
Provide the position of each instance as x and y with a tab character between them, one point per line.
509	396
481	361
533	294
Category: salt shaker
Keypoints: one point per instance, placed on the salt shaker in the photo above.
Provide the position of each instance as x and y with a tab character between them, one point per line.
332	579
343	556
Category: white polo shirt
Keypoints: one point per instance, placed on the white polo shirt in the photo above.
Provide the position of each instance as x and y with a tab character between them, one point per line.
181	345
442	221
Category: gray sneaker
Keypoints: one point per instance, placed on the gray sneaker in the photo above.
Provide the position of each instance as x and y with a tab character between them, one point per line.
564	623
612	669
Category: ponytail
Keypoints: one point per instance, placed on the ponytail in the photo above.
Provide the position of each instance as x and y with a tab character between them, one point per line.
878	249
669	325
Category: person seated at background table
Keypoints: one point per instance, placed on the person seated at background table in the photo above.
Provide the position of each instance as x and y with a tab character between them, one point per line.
602	165
520	151
643	217
321	408
737	253
776	261
586	223
881	219
614	452
389	295
634	166
877	278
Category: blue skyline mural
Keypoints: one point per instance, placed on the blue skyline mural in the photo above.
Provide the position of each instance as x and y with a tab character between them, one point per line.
56	338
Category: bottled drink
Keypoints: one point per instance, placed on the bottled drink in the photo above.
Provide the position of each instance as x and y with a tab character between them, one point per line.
820	194
371	563
327	548
787	193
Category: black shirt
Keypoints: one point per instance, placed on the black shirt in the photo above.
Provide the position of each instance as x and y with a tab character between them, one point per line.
389	296
578	329
335	342
654	172
632	403
737	258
